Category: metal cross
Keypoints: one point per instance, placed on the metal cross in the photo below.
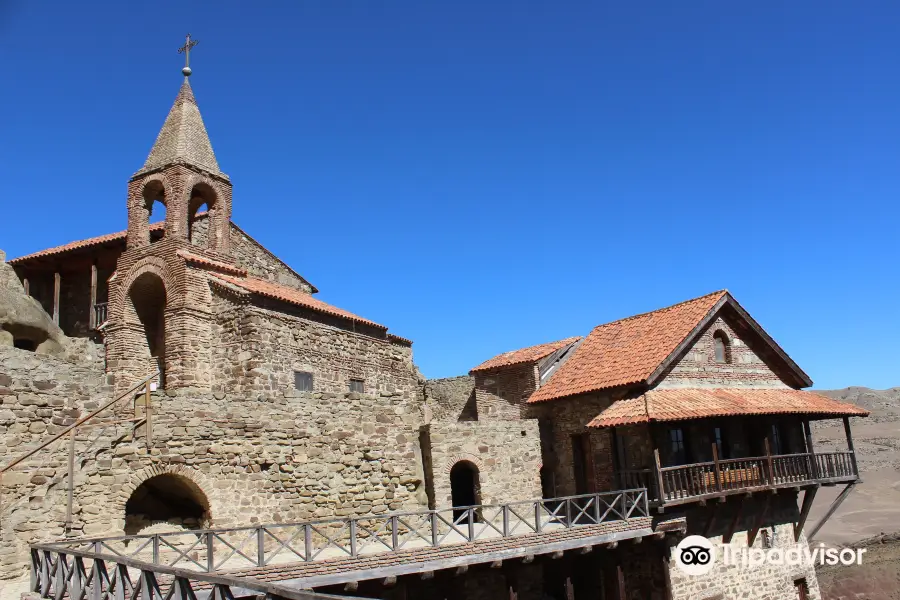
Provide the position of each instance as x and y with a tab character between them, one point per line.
186	49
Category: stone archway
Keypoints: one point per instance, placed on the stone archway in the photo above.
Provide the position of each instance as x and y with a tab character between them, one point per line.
465	486
169	497
146	305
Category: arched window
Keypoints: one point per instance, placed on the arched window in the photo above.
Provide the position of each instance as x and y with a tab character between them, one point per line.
203	202
722	349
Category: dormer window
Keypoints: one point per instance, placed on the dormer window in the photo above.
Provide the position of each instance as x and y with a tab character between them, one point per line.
720	342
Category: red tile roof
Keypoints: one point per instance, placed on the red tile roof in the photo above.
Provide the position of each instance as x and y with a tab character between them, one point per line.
627	351
291	296
694	403
78	245
524	355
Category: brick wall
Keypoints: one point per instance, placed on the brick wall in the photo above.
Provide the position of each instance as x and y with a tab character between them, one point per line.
501	394
698	367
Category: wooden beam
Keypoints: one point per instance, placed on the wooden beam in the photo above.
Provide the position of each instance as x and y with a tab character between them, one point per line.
711	520
734	522
850	444
461	570
834	506
389	581
91	316
427	575
528	558
351	586
496	564
71	491
808	498
557	555
612	545
760	517
27	286
56	285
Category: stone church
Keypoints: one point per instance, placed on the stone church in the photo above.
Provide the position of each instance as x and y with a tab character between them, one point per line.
237	397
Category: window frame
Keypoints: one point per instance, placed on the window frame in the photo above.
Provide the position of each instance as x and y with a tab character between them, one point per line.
720	339
361	384
308	375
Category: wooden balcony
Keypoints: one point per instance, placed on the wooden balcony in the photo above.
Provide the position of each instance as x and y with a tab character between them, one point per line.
700	481
99	314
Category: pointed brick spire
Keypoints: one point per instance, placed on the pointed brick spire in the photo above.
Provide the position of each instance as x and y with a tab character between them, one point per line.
183	137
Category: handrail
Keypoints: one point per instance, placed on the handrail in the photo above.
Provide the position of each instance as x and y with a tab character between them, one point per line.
247	583
79	422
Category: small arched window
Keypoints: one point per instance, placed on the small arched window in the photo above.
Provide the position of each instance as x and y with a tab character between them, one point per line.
720	342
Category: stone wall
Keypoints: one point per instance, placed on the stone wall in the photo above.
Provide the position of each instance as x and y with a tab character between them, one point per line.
501	393
259	349
765	582
299	457
450	400
698	367
251	255
506	454
567	418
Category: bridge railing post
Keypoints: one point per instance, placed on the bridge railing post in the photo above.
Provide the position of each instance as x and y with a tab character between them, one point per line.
505	520
260	547
434	528
210	557
537	516
353	549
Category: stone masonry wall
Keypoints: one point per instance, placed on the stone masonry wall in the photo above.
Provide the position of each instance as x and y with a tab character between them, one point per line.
765	582
569	417
501	394
507	455
251	255
698	367
258	350
450	400
294	458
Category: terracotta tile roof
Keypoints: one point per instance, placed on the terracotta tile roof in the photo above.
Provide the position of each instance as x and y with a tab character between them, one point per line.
291	296
88	243
524	355
694	403
397	338
626	351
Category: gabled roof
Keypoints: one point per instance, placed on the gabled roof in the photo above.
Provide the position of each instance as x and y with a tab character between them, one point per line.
524	355
679	404
183	137
639	349
291	296
626	351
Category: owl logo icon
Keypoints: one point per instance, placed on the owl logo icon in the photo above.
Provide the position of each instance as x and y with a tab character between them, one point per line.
695	555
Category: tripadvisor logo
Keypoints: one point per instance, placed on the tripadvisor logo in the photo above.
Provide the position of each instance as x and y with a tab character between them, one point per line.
696	555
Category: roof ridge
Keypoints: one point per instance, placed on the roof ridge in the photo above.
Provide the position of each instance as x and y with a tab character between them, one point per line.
663	309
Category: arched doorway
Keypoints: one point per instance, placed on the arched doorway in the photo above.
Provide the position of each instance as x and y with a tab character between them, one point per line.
173	500
147	297
465	486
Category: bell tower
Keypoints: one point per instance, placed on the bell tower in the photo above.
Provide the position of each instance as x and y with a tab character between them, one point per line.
160	313
181	173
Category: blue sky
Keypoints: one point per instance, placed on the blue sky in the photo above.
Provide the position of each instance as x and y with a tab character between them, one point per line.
482	176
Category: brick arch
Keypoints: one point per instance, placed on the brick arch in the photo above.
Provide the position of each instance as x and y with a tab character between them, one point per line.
194	478
141	196
463	457
150	264
720	333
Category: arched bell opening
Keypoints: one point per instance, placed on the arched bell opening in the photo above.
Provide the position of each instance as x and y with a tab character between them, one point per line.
203	199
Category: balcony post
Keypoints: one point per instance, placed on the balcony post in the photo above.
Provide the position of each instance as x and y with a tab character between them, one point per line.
715	453
807	430
850	445
769	462
92	317
56	286
659	476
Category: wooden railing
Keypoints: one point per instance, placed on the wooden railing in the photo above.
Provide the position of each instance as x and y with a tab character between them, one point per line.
722	476
101	312
264	545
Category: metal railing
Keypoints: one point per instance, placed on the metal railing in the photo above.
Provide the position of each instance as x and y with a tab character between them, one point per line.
57	573
266	545
718	476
